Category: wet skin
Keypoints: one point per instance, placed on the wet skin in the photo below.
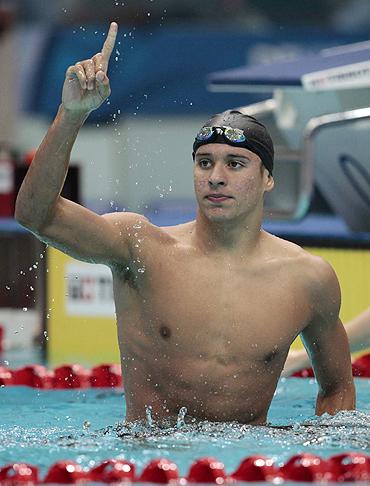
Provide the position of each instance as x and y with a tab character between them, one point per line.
199	331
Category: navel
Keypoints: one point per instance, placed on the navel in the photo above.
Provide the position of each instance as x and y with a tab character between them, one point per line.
165	332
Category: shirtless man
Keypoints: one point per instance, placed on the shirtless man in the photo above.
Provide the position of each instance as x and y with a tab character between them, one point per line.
207	310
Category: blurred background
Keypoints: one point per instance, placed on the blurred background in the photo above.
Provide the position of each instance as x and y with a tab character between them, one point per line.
134	153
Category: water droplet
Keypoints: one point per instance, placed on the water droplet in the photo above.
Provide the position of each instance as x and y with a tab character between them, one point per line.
25	309
141	270
86	425
7	287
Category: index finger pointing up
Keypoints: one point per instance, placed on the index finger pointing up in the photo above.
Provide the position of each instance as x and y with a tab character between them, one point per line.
108	45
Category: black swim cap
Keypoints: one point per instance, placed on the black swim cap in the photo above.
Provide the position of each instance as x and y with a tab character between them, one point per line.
258	139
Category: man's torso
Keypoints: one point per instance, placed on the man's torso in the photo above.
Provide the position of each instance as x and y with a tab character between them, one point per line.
206	331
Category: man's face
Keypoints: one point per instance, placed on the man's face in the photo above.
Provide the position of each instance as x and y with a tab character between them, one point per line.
233	172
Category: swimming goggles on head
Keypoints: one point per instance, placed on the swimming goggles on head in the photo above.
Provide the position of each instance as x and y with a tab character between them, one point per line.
234	135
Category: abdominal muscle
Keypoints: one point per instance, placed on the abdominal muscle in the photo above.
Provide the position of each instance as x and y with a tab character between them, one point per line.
208	389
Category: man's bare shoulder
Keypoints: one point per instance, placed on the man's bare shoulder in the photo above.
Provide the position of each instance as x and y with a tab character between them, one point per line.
313	271
281	249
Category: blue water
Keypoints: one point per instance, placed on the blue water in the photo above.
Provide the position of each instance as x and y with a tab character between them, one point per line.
41	427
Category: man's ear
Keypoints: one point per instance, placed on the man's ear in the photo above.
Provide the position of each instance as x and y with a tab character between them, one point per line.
270	183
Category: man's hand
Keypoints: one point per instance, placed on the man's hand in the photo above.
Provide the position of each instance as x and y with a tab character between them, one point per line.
86	85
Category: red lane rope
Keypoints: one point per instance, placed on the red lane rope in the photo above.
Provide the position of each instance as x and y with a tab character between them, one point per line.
360	368
109	375
349	466
67	376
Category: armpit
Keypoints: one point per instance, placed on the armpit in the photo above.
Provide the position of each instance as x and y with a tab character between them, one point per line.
271	356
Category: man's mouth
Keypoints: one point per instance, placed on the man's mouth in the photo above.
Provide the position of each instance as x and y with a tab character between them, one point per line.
217	197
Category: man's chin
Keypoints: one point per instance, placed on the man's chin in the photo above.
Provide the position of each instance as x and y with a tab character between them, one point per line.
218	216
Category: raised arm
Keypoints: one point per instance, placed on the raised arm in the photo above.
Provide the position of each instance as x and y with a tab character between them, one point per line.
54	219
327	345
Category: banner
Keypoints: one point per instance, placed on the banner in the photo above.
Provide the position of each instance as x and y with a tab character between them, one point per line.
80	318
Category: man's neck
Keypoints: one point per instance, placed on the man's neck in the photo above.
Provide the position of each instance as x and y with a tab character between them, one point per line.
238	236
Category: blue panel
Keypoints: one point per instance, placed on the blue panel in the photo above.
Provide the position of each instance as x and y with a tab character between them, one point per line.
161	70
287	73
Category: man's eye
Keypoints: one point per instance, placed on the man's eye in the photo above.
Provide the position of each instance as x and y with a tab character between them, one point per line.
235	164
204	163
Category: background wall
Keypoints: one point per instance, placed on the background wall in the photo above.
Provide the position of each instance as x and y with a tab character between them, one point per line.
130	164
74	328
135	151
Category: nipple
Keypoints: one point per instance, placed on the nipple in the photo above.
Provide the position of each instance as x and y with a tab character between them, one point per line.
165	332
181	417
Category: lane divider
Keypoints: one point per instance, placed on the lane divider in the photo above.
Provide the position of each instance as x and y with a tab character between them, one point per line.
109	375
349	466
360	368
67	376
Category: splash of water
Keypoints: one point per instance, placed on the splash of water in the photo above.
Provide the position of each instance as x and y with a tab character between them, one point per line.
149	417
181	417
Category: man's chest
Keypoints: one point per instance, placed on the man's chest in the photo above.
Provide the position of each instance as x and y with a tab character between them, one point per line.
231	304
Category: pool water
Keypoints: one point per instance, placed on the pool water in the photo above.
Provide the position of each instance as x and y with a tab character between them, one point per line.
41	427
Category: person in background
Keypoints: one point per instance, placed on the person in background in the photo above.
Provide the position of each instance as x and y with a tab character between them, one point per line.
358	332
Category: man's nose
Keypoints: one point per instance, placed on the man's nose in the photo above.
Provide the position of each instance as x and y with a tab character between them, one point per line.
217	177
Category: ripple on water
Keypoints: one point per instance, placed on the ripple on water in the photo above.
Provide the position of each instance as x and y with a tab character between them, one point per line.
348	430
77	426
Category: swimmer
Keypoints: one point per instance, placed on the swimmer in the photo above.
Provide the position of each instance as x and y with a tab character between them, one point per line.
358	332
206	310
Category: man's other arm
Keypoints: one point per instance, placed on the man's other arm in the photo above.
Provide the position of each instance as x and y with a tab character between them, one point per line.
327	344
